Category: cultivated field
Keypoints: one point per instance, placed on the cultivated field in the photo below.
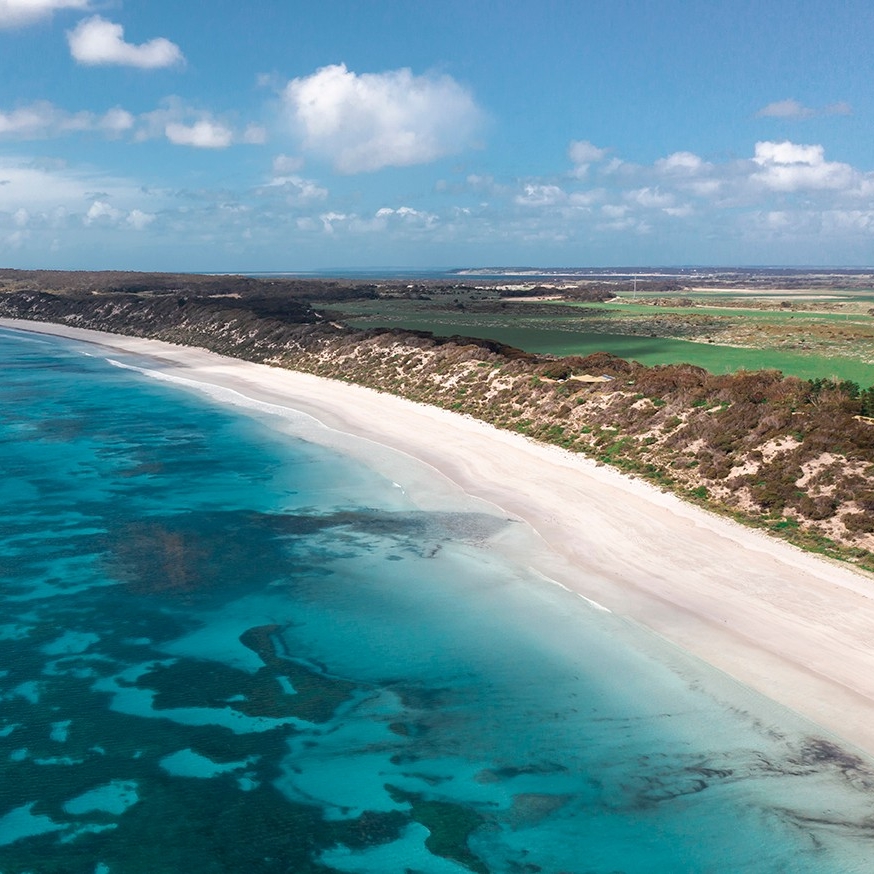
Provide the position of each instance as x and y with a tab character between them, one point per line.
814	326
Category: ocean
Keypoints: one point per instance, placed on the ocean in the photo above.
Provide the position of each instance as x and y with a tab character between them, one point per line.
227	646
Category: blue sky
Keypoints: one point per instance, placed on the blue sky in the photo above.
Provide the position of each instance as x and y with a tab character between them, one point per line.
272	135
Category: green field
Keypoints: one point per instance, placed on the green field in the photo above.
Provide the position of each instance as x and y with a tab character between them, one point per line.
713	309
564	336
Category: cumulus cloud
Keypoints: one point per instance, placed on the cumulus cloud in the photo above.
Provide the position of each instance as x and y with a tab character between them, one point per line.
297	190
47	198
42	119
788	167
541	195
788	153
184	125
100	209
180	124
400	220
781	189
96	41
369	121
203	134
686	163
651	198
583	154
407	214
329	219
101	212
17	13
139	220
116	121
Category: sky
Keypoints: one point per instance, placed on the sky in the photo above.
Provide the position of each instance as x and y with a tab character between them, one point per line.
276	135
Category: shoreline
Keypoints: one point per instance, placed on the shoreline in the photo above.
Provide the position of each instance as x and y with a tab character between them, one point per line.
791	625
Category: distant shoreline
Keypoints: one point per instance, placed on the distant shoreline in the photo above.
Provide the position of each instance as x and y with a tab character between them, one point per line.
787	623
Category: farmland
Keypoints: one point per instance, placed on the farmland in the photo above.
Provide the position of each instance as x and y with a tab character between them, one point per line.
810	332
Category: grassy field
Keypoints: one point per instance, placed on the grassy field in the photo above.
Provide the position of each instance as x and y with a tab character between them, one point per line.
809	343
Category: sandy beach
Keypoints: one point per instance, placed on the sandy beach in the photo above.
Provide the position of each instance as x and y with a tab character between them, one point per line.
795	627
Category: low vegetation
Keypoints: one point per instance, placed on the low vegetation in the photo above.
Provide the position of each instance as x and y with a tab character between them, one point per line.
792	455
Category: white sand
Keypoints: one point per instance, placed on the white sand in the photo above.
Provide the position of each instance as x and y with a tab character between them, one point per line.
793	626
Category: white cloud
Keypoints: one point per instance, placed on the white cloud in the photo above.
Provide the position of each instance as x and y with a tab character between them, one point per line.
25	186
839	108
585	198
283	165
848	221
180	124
686	163
614	211
407	214
793	109
583	154
780	189
298	190
104	213
683	211
479	182
401	221
138	219
650	198
96	41
709	188
16	239
788	153
366	122
51	199
789	167
254	135
203	134
116	121
785	109
328	219
541	195
17	13
100	209
42	119
186	126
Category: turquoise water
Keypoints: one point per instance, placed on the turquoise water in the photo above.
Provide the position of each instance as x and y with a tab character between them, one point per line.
226	649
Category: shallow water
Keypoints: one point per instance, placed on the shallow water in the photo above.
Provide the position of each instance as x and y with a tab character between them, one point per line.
224	648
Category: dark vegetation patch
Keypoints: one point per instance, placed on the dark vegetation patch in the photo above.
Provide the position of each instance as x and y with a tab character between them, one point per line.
198	683
450	826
